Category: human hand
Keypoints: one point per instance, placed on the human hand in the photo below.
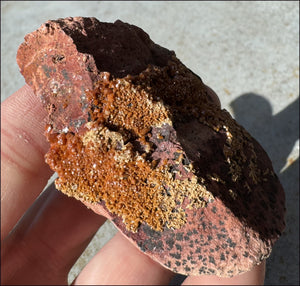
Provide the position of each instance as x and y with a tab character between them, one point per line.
55	230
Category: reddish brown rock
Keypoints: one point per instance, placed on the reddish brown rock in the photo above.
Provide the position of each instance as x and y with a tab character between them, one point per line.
135	134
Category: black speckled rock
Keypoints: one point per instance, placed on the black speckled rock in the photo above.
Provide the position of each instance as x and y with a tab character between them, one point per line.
136	136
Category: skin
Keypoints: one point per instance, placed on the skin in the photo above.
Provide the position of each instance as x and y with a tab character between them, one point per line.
53	229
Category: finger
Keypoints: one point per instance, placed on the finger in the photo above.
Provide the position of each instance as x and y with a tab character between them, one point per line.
23	170
213	96
119	262
48	240
254	277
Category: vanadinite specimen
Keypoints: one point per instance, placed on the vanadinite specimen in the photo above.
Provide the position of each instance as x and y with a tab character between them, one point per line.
135	133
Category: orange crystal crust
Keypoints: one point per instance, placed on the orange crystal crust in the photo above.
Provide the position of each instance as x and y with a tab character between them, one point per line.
111	160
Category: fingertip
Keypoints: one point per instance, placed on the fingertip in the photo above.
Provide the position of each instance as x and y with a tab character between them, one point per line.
213	96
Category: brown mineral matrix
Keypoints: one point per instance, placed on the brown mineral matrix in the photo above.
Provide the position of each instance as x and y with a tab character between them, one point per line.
135	133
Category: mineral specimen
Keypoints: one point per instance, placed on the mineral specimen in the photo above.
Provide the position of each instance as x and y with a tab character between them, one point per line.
136	134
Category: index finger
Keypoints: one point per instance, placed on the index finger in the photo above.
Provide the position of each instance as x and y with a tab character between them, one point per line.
23	169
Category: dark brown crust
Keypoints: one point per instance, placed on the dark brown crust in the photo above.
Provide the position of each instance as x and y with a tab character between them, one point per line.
114	96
